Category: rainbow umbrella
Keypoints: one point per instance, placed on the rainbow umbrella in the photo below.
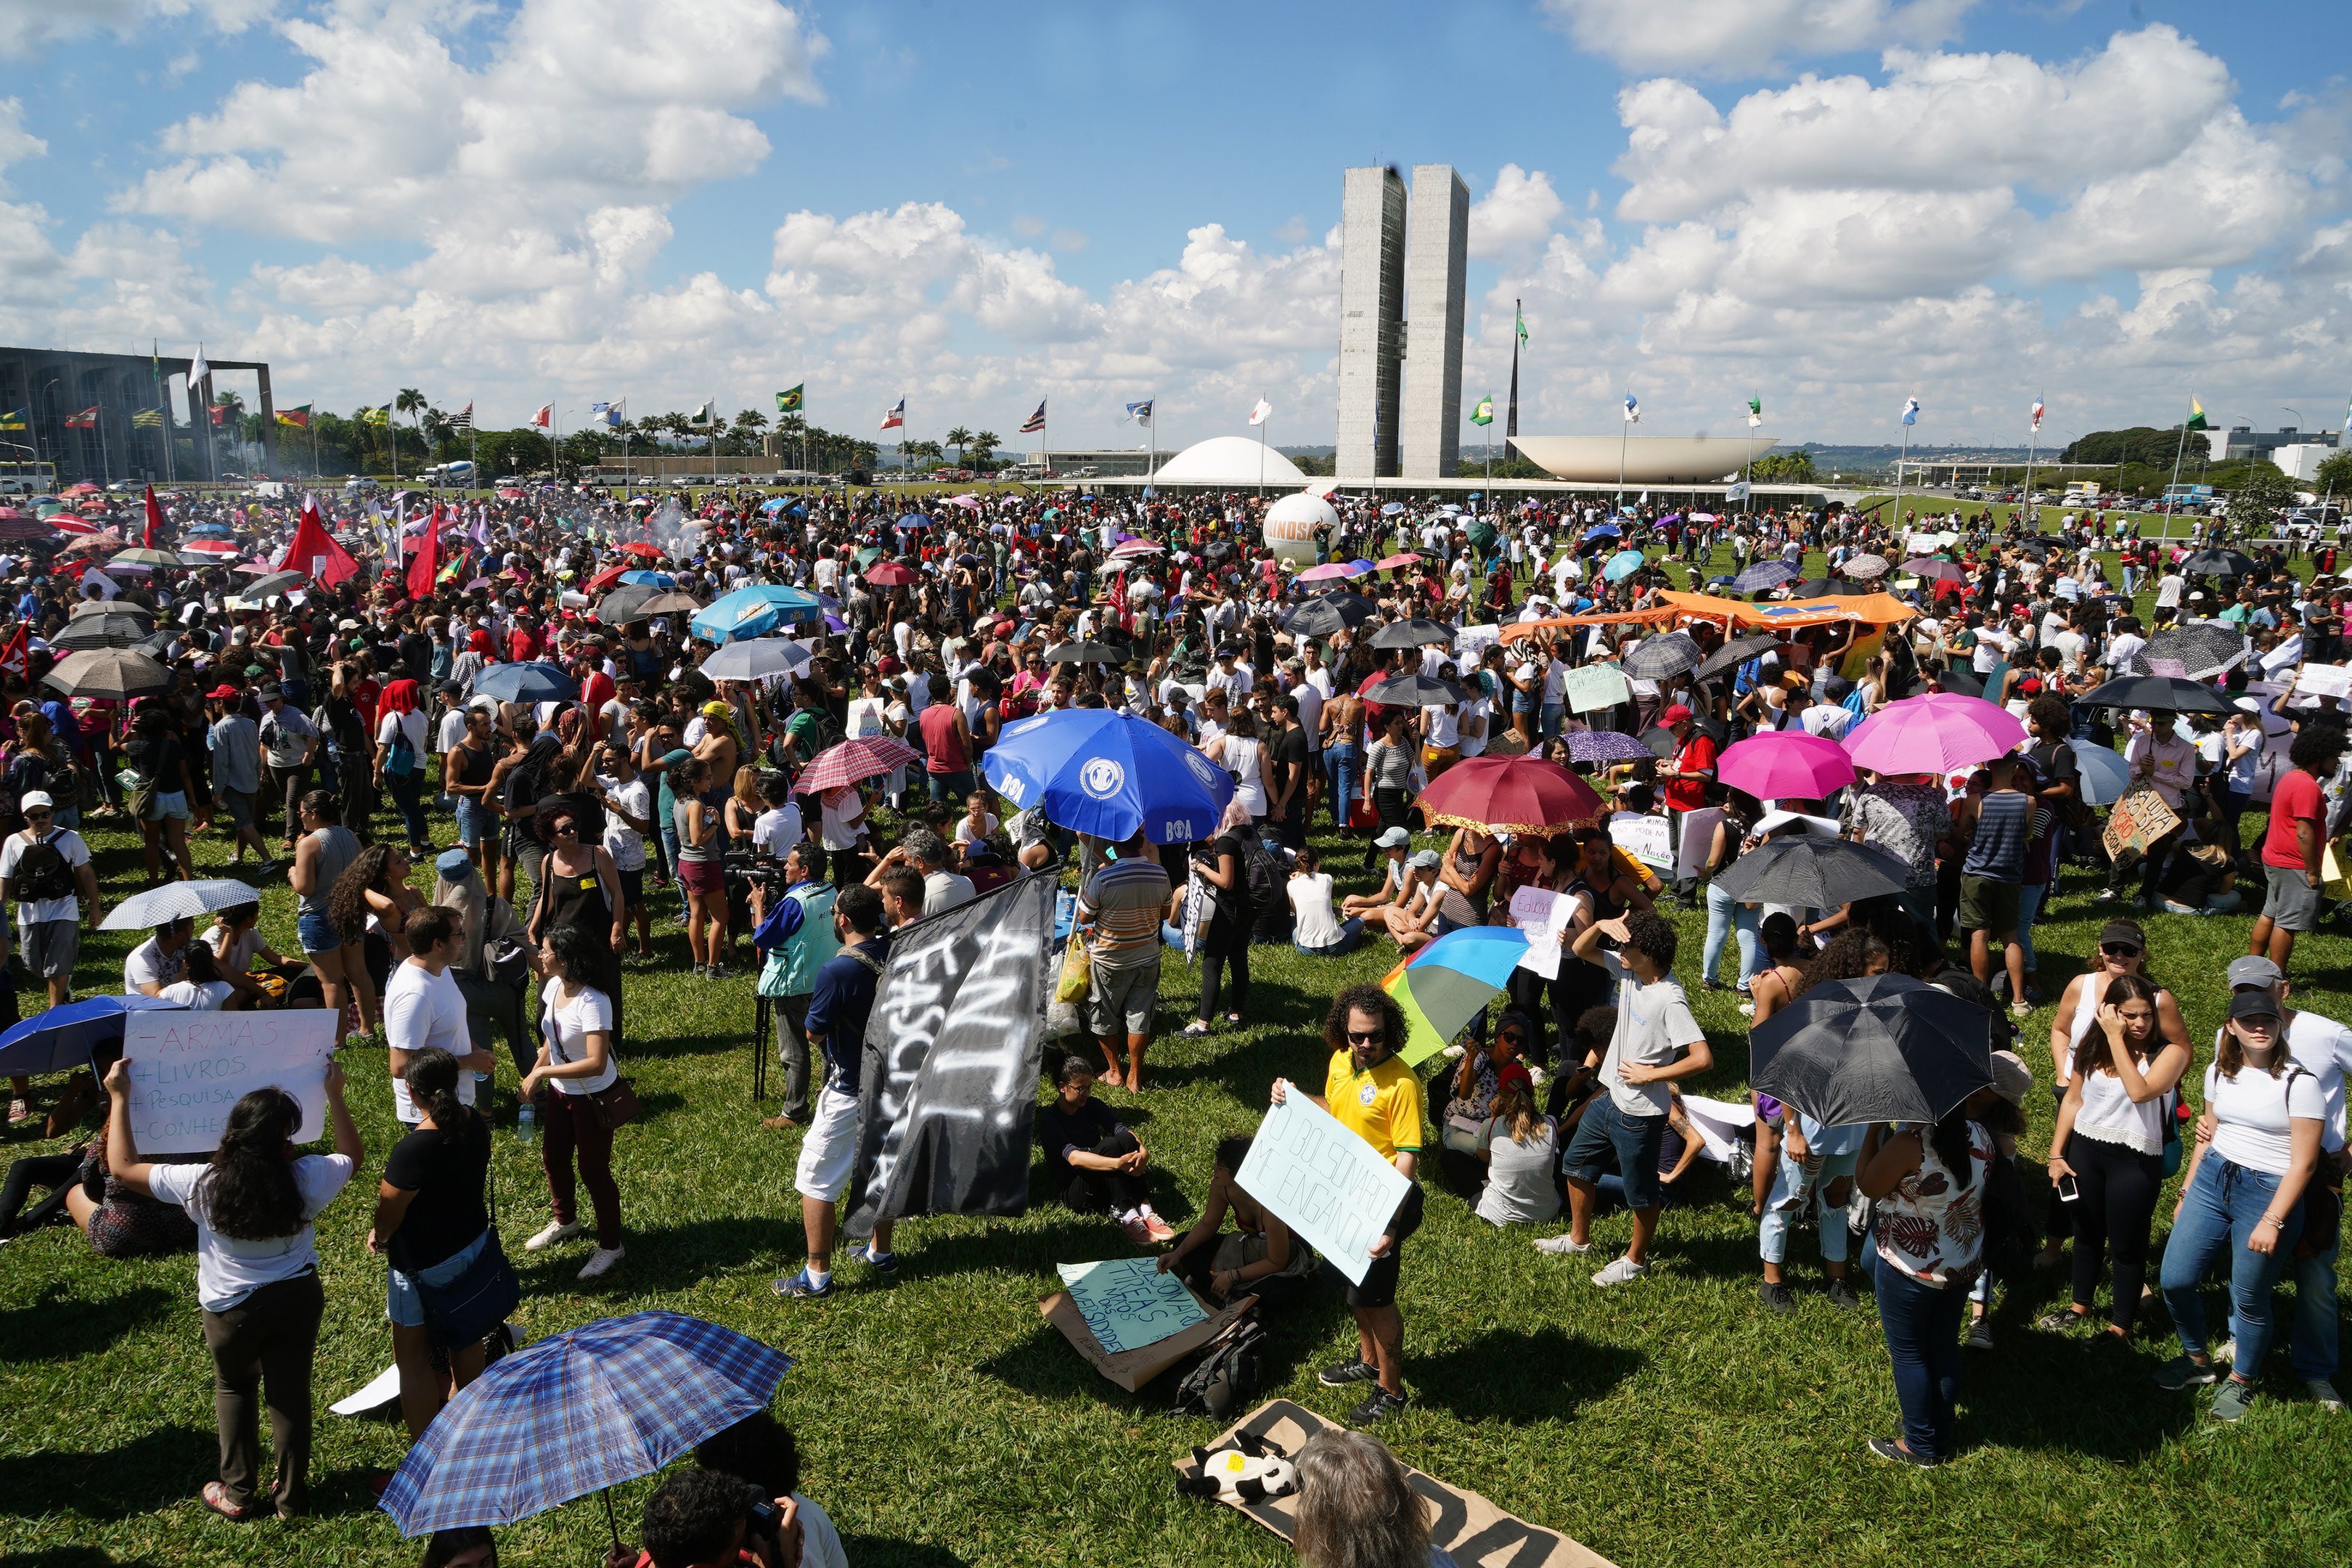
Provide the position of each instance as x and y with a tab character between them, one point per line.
1448	983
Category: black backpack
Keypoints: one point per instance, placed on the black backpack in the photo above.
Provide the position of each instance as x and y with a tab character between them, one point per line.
1228	1376
1269	898
2010	1238
43	872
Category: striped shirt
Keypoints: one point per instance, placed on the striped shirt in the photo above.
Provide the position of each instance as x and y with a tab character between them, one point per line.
1123	902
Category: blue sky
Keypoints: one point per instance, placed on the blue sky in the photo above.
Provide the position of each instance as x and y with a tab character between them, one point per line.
1835	203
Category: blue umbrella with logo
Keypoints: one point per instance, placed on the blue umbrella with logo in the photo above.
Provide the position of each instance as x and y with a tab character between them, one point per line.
754	612
642	578
1095	771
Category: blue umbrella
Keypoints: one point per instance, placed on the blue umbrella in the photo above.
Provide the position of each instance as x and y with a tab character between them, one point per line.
61	1038
1603	531
1622	564
1362	565
1095	771
1392	509
649	579
537	681
1762	576
579	1411
775	506
916	519
753	612
211	529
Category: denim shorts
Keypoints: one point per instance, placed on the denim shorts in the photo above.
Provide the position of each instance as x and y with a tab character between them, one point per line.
1634	1140
402	1303
169	803
318	932
476	822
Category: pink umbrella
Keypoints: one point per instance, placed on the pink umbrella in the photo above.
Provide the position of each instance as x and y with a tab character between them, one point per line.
1134	547
213	547
1387	562
1786	764
1326	572
1932	734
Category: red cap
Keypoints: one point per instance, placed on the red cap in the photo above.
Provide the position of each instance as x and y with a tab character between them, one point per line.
1674	714
223	692
1511	1073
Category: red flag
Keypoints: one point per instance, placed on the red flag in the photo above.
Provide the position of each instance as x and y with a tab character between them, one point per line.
154	520
15	653
315	551
545	417
426	559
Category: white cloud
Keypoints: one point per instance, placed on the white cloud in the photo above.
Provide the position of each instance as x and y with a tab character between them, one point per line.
1745	37
1515	214
29	27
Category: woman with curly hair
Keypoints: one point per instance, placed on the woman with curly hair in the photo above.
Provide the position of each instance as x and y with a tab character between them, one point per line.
257	1273
324	852
369	909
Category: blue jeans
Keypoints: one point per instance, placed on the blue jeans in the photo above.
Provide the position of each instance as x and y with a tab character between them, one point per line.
1726	915
2316	1325
1553	713
1342	766
2217	1215
1349	935
1792	1187
2029	904
408	794
1922	1323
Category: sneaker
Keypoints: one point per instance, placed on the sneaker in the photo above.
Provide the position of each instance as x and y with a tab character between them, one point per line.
1137	1231
1842	1296
2323	1394
556	1231
2182	1373
2107	896
2020	1010
1895	1453
800	1288
1620	1272
1347	1372
1162	1231
1981	1335
1561	1247
1777	1296
2061	1322
600	1262
1380	1406
1455	1051
2237	1397
880	1262
1747	1008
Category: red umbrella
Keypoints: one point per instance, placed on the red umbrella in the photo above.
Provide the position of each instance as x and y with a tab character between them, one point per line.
65	524
215	546
1387	562
83	489
1508	795
852	760
603	580
639	547
891	573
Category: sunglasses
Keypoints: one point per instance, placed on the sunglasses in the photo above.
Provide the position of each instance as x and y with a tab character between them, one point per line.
2119	950
1366	1037
565	828
36	815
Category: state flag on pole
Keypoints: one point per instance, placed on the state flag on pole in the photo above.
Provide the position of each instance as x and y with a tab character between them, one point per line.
300	418
1037	421
2196	416
1633	409
702	419
461	420
1910	411
197	368
148	418
1258	414
789	400
379	415
1485	413
87	420
1755	412
1140	412
545	417
2037	414
895	417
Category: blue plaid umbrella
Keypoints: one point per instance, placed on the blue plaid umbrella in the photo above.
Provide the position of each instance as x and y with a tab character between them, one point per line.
538	681
1762	576
589	1408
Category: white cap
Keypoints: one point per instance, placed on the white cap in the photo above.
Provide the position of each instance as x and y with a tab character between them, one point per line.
36	798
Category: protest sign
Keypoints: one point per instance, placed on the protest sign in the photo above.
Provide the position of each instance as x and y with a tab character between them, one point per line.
1132	1369
1470	642
1543	915
1328	1185
2139	820
2324	681
1697	839
949	1092
1717	1123
1649	840
1590	686
1468	1528
1128	1303
187	1069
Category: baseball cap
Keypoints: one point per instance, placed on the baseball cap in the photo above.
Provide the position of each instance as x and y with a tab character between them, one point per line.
272	694
454	864
2253	971
1392	838
2011	1078
32	798
221	693
1674	714
1424	859
2253	1004
2123	930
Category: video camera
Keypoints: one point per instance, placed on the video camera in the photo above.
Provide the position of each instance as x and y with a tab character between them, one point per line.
747	867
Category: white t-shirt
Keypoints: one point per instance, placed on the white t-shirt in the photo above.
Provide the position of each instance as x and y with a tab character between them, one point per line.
623	842
1654	1027
2325	1046
228	1268
1317	924
35	912
422	1010
209	997
148	965
2252	1111
778	829
1519	1189
452	733
411	724
566	1026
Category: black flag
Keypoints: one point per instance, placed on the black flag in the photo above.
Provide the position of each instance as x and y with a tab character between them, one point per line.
949	1092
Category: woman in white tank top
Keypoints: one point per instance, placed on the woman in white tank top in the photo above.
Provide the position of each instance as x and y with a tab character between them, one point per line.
1237	752
2109	1145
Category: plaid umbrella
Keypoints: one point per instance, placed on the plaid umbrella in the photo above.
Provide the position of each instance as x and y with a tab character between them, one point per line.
1605	746
851	761
2205	648
1656	658
578	1412
1764	575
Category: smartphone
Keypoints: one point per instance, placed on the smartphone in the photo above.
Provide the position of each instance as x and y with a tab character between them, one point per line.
2067	1191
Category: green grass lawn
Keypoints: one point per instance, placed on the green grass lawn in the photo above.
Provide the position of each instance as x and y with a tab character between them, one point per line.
1670	1423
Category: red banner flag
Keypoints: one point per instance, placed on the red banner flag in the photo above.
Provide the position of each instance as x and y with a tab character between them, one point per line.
154	520
315	551
15	653
425	561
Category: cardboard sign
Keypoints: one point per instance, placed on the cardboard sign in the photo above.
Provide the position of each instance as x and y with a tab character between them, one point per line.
1465	1526
1132	1369
1697	839
1471	642
2324	681
1330	1187
1590	686
1649	840
1129	1304
2139	820
187	1069
1543	915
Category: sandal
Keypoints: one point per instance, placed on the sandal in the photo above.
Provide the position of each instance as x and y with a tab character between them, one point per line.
215	1496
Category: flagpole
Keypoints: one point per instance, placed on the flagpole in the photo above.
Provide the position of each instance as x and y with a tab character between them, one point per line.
1624	428
2032	451
2170	490
1895	518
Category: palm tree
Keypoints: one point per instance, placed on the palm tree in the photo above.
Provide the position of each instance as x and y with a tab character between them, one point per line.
958	439
983	445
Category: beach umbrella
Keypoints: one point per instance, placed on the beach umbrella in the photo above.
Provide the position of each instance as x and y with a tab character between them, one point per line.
1448	983
2107	777
1934	733
1786	763
1622	564
755	659
1414	633
1327	614
868	757
1415	691
1098	771
116	672
1507	794
578	1412
754	612
1735	653
2157	694
1605	746
1812	872
1085	653
2202	648
178	901
59	1039
1884	1047
1657	658
1764	575
2217	563
536	681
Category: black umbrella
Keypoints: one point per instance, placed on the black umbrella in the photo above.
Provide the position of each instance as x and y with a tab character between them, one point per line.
1657	658
110	607
1661	742
1734	654
622	606
2204	648
102	631
1085	653
1329	612
1884	1047
1812	871
117	672
1412	633
2034	547
1829	587
2157	694
2218	564
1415	691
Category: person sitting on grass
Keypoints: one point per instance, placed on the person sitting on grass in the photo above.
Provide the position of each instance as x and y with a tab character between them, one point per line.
1260	1259
1093	1162
1395	845
1462	1135
760	1450
1520	1148
706	1519
1315	931
1357	1508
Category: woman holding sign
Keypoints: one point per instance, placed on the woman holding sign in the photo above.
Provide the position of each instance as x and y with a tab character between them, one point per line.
257	1272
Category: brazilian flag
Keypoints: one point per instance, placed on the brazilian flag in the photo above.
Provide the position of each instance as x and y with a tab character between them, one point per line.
789	402
1485	413
2196	416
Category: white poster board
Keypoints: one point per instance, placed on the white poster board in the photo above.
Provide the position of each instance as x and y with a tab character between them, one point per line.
187	1069
1325	1183
1717	1123
2323	680
1470	643
1697	839
1590	686
1649	840
1543	915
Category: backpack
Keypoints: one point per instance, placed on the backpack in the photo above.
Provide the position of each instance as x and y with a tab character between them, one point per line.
1269	898
2010	1238
43	872
1228	1376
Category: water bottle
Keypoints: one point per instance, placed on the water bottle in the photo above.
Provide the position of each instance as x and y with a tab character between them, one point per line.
527	1122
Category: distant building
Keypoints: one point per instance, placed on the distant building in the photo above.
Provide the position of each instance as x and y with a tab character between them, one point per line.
1436	262
1117	462
2245	441
2301	460
1402	288
112	417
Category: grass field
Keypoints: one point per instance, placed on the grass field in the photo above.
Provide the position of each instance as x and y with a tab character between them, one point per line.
1675	1421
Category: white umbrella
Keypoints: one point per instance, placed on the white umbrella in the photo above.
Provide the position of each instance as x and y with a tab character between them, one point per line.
177	902
2106	775
756	659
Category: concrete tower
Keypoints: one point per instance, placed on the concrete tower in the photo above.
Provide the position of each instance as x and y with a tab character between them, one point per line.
1372	321
1437	248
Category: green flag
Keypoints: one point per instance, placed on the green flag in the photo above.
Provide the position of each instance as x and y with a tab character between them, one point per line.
789	402
1521	326
1485	413
2196	416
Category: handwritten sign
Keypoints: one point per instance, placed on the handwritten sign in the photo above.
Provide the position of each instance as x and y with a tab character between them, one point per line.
1590	686
1543	915
1649	840
188	1069
1324	1181
2324	681
1129	1304
1698	839
2139	820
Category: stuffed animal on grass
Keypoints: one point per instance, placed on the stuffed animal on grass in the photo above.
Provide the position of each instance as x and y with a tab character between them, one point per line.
1243	1471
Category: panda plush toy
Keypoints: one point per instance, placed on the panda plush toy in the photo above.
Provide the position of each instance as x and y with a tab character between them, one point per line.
1244	1471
